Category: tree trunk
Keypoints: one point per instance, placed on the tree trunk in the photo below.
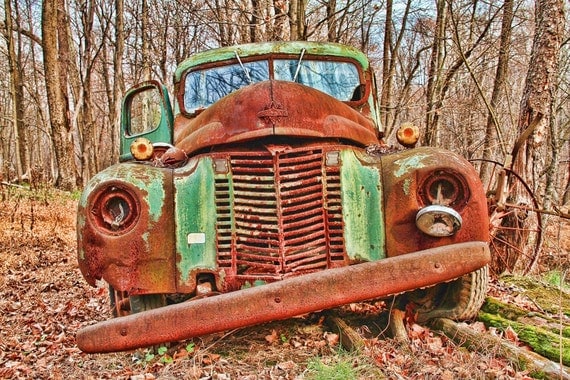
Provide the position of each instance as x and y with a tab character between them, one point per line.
118	83
493	128
17	95
386	95
435	77
57	99
297	19
484	342
332	35
278	32
145	33
540	85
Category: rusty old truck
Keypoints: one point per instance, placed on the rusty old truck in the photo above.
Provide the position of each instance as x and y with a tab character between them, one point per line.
266	191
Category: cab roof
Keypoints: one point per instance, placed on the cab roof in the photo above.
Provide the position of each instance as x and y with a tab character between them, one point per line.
264	48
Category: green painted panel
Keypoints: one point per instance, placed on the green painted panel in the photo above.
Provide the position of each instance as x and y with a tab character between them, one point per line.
362	209
195	219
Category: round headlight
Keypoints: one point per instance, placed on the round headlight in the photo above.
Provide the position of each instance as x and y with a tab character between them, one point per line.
115	210
438	221
445	189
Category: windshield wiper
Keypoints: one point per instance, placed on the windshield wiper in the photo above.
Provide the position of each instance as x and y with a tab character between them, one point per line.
243	68
299	65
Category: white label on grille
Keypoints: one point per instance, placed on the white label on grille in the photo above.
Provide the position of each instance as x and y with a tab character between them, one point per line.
196	238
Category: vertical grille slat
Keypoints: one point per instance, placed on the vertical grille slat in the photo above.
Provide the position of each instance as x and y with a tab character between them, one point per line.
279	213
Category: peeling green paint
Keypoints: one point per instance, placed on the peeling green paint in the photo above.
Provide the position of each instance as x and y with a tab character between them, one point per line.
411	163
362	209
195	213
406	186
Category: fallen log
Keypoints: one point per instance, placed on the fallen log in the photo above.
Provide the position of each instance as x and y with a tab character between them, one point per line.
482	342
551	345
350	340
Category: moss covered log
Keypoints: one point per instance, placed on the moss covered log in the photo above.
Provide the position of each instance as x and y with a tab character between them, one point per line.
543	342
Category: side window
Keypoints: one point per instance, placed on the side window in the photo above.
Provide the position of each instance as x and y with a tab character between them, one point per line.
145	111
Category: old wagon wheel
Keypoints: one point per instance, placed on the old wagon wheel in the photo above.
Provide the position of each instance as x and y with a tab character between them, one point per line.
515	219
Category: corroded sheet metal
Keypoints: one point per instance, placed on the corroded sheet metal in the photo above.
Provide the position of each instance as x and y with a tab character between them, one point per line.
284	299
273	108
403	175
139	258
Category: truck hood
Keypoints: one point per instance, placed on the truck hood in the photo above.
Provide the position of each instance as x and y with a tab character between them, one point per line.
273	108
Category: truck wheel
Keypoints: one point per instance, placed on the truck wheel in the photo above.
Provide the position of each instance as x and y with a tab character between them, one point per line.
122	304
459	299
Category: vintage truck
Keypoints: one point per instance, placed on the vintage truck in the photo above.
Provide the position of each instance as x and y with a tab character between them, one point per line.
265	192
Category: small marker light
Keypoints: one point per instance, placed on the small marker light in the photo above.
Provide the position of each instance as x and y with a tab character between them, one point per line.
141	149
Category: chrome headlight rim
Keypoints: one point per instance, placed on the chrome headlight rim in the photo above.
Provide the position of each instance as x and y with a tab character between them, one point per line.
438	221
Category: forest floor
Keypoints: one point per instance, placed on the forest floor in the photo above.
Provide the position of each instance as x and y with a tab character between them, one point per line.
44	301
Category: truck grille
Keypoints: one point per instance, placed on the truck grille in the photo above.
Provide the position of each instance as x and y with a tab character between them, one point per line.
279	213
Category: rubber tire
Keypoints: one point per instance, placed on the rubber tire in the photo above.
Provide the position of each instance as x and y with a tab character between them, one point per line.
458	300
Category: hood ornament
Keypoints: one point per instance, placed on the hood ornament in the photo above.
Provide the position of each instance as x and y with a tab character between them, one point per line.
272	113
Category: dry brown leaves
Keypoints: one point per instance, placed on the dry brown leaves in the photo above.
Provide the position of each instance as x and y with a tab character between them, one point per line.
44	301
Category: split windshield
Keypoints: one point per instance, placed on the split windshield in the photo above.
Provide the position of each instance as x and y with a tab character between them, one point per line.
203	88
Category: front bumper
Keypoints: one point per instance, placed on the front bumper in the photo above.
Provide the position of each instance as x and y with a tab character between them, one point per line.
285	299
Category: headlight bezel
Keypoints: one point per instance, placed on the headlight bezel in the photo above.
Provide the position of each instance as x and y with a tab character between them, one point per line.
115	209
444	188
442	195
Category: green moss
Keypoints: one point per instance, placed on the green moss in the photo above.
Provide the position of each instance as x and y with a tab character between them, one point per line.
549	298
494	306
543	342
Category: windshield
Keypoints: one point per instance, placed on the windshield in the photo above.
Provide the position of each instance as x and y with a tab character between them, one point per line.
338	79
205	87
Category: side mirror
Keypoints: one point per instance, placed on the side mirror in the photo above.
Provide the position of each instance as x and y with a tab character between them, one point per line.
146	113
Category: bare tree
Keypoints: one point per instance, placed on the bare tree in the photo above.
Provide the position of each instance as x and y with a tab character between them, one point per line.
17	91
540	86
54	39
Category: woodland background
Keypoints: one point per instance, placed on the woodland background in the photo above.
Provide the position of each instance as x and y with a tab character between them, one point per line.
472	74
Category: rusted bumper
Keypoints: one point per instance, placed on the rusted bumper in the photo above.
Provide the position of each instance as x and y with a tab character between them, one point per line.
285	299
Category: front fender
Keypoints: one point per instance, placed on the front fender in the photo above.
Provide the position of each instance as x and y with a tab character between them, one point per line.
125	229
404	175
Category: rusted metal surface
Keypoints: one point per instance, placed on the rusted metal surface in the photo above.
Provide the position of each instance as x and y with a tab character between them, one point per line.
405	176
294	226
273	108
284	299
130	247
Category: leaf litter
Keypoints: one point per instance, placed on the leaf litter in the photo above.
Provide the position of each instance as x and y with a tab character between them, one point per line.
44	301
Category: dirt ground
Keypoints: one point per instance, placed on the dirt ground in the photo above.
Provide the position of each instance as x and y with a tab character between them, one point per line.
44	301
